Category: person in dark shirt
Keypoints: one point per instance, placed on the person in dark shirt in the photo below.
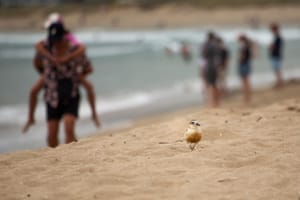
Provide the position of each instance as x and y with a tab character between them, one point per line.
210	55
244	65
223	58
275	51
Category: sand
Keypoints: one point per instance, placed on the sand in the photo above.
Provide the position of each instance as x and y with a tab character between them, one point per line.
169	16
247	152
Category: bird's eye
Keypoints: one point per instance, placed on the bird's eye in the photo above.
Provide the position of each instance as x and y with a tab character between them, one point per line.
195	123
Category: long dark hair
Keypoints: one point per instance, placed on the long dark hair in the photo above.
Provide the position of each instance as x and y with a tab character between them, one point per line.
56	32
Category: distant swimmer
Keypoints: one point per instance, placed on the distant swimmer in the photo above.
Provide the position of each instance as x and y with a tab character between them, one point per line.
172	48
185	51
181	48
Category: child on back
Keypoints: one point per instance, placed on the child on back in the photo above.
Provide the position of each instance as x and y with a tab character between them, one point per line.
79	50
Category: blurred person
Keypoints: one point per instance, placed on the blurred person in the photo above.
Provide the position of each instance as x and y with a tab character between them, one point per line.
40	46
209	70
244	65
79	50
203	66
275	52
222	65
185	52
61	84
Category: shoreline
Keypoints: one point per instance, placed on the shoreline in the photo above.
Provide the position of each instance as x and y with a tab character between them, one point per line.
114	122
243	150
163	17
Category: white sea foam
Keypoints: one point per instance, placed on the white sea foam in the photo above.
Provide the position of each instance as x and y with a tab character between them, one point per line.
154	39
119	37
16	114
93	52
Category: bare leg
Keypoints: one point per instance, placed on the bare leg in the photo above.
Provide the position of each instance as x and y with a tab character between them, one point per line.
52	139
279	79
222	82
205	87
246	90
214	96
91	98
32	103
69	122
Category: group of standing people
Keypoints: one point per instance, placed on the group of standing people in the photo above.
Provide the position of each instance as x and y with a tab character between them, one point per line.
63	66
214	61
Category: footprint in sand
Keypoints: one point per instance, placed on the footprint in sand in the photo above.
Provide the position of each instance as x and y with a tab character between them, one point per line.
236	163
212	134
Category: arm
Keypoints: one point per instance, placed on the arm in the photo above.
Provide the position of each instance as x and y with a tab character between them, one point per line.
40	48
79	51
242	56
86	67
37	63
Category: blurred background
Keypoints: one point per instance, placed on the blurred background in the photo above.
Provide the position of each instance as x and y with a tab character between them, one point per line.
126	40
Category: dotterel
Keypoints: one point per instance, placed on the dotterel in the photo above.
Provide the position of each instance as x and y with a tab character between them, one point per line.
193	134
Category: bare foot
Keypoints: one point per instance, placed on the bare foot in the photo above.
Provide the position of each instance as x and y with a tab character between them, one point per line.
96	120
26	127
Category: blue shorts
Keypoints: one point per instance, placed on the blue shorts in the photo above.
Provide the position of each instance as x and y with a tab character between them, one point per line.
276	63
244	69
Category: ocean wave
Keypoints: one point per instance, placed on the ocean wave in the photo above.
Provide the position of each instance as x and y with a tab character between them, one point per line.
16	114
112	51
159	36
93	52
110	43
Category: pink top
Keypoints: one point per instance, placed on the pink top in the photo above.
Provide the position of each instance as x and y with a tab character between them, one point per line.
73	40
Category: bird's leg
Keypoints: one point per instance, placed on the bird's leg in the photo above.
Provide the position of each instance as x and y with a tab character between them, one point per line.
192	146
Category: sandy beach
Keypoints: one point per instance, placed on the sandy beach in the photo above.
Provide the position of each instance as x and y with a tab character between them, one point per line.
246	153
169	16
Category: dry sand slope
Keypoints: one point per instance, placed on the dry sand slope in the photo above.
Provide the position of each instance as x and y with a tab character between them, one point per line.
245	154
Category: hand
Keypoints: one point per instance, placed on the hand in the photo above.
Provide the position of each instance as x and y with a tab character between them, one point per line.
63	59
29	123
54	60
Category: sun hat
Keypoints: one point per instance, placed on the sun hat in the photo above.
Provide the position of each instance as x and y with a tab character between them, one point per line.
53	18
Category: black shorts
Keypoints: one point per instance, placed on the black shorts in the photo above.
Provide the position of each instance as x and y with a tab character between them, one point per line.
211	75
70	106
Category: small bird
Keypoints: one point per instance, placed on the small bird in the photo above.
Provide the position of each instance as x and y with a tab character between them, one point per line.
192	134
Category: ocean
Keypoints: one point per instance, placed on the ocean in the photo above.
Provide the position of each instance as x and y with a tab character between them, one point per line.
133	76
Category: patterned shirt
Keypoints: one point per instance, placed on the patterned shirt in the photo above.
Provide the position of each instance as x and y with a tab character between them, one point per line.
62	78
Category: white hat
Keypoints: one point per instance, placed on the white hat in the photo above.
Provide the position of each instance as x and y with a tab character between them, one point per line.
52	18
